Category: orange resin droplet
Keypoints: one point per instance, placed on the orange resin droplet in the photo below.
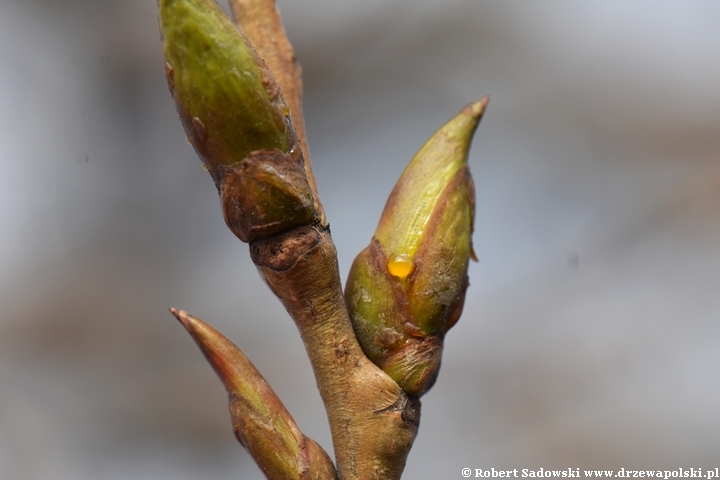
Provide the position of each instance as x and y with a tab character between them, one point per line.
400	266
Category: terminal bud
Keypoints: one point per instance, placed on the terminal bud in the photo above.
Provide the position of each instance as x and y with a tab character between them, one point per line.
226	97
235	117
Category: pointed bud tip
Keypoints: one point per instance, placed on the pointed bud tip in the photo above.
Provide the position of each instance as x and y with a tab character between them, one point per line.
192	324
463	126
476	109
228	361
210	341
207	338
181	315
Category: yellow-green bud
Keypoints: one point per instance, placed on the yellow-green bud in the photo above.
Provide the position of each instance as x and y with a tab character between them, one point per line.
234	115
407	288
226	97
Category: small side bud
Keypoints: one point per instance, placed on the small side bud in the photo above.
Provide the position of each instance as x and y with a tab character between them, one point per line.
407	289
261	422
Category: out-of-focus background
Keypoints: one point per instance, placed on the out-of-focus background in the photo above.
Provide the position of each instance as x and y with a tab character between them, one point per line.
591	332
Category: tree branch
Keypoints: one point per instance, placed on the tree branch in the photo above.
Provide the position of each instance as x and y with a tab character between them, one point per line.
372	420
237	121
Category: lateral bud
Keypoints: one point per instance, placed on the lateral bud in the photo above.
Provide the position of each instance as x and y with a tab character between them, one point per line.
260	421
407	288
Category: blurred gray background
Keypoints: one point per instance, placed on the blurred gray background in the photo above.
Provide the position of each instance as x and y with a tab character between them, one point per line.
591	332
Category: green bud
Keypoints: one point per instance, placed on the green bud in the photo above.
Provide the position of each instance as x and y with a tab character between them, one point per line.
226	97
234	115
407	288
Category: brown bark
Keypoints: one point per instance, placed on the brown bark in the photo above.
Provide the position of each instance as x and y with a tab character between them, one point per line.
373	422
